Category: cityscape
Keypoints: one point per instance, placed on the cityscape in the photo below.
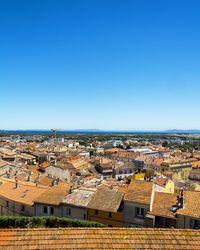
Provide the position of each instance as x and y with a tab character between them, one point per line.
116	180
99	124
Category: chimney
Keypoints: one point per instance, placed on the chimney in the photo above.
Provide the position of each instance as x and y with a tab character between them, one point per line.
8	174
29	177
180	200
54	182
70	190
16	184
36	183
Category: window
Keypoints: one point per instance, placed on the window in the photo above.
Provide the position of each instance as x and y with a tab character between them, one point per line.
110	214
194	224
139	212
51	210
7	203
68	211
22	208
96	212
84	216
45	210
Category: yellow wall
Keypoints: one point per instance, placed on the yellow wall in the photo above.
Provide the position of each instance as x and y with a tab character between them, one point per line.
169	188
139	176
103	217
181	173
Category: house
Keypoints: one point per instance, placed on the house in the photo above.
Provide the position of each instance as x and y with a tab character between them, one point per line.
5	167
75	203
61	171
106	207
180	168
124	169
48	203
194	174
7	154
26	158
16	198
163	184
105	167
189	215
161	214
137	203
165	153
124	155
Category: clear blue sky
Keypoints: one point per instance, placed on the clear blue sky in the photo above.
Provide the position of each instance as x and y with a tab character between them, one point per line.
106	64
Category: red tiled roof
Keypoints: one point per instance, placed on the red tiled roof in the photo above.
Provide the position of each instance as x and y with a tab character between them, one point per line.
99	238
139	192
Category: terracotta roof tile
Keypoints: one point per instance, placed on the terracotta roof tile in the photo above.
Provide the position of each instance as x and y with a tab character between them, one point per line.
162	204
106	199
53	196
139	192
191	204
25	193
101	238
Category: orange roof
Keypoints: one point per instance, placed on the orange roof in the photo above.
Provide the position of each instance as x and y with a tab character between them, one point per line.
53	196
3	163
113	150
44	164
162	204
196	164
139	192
106	200
99	238
191	204
161	181
25	193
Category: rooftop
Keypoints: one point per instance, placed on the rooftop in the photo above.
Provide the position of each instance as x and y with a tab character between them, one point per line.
162	204
139	192
99	238
191	204
25	193
79	198
53	196
111	200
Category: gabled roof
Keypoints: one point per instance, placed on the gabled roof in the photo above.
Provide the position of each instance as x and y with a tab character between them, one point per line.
53	196
25	193
106	199
191	204
162	204
139	192
99	238
79	197
3	163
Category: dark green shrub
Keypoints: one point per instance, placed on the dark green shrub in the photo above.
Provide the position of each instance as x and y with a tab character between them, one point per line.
51	221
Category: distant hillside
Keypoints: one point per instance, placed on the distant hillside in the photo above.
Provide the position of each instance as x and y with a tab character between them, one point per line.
182	131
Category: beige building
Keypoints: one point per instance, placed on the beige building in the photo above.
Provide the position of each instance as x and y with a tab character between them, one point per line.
189	215
137	203
75	204
161	214
17	198
48	203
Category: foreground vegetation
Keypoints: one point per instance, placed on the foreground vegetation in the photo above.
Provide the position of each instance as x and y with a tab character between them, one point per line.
49	222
